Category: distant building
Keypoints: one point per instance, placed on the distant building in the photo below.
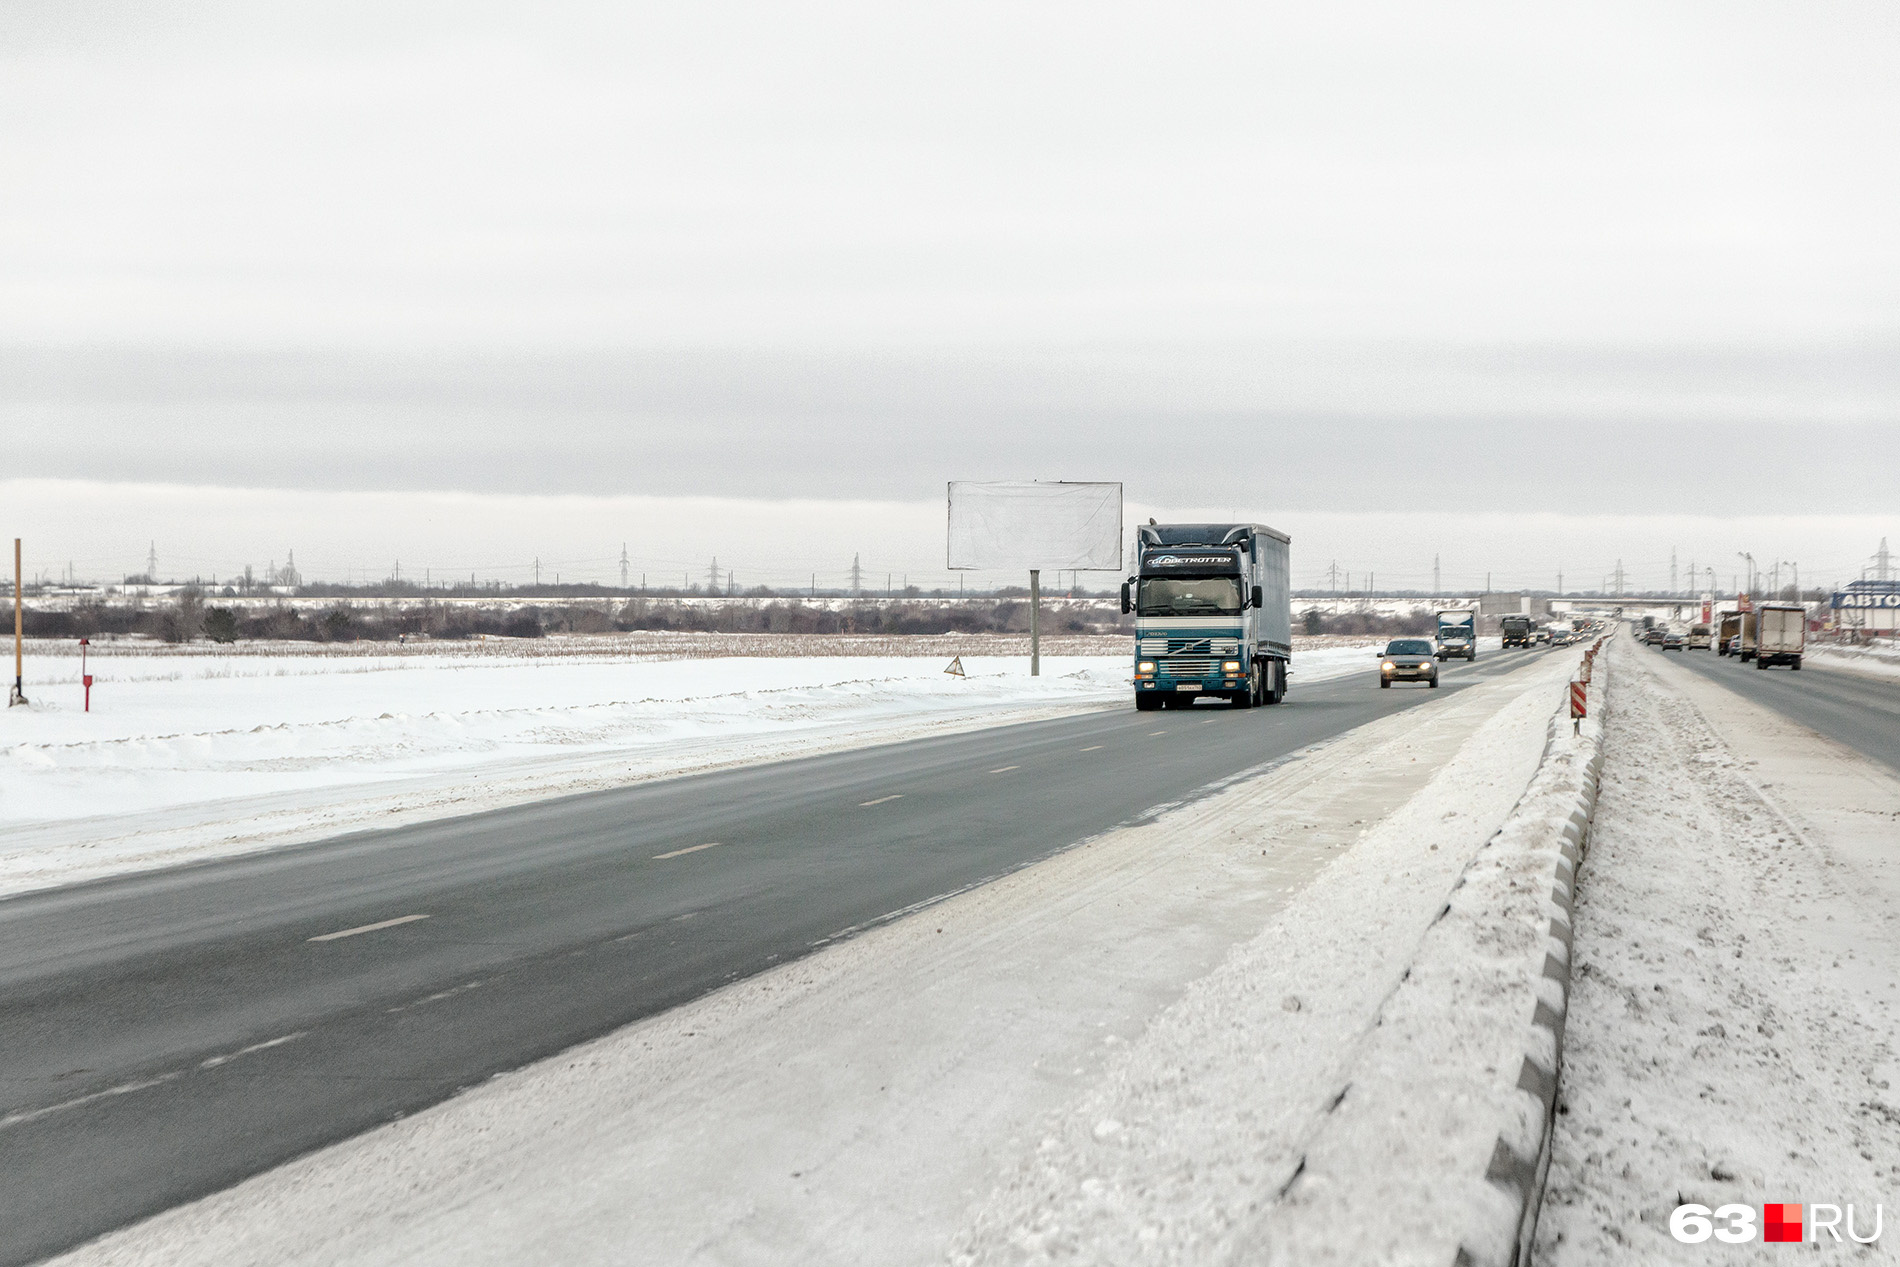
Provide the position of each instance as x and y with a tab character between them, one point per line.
1869	607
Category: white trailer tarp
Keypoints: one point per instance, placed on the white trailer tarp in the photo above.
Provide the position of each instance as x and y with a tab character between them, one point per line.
1028	524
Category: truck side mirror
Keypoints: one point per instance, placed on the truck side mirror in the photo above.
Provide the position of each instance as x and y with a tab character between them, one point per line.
1259	598
1127	603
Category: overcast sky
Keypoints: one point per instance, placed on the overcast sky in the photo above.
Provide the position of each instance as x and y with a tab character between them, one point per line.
1633	264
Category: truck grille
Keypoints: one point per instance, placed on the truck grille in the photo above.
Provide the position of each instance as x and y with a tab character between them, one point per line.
1188	646
1190	666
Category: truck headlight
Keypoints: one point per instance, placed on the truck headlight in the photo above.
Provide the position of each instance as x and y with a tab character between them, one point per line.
1230	667
1145	666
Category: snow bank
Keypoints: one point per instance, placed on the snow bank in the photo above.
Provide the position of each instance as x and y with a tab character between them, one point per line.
1882	659
190	755
1734	1031
1436	1147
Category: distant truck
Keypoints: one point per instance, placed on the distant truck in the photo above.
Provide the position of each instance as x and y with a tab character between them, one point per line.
1518	630
1213	611
1727	630
1458	633
1698	639
1781	634
1745	645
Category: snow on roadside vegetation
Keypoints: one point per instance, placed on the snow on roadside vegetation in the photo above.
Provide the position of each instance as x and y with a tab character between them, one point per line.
1734	1026
189	754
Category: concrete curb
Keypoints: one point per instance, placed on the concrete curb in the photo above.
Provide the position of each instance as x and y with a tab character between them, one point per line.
1437	1146
1520	1160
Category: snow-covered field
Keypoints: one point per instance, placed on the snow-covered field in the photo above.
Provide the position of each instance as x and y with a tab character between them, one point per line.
192	752
1114	1056
1734	1031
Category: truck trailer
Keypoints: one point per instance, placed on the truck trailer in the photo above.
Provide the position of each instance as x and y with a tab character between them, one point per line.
1728	626
1458	633
1213	609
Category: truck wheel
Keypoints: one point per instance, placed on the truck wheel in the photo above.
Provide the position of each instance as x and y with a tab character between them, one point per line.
1796	666
1251	696
1760	663
1274	689
1147	703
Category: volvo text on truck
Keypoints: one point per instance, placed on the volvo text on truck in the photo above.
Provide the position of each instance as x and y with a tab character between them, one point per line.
1213	614
1781	634
1458	633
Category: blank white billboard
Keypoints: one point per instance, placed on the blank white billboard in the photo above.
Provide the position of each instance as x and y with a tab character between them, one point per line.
1030	524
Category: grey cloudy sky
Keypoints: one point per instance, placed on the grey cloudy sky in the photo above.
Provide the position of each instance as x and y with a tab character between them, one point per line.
1629	260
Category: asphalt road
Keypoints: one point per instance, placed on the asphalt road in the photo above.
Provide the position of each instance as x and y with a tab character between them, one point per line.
165	1035
1856	709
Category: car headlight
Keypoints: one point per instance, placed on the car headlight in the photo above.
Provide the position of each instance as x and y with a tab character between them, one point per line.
1230	667
1388	666
1145	666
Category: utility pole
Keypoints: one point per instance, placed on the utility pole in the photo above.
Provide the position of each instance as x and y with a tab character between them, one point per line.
623	565
537	571
1332	578
1434	578
1560	582
18	694
1672	571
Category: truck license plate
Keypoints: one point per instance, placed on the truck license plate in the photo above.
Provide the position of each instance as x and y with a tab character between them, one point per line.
1188	686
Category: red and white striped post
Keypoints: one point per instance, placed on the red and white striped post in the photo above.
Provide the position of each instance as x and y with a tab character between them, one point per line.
1579	708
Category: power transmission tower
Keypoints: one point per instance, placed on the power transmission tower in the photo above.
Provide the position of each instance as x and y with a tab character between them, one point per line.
537	571
1434	577
1332	577
151	559
1560	582
1882	563
1672	571
857	578
623	565
1619	578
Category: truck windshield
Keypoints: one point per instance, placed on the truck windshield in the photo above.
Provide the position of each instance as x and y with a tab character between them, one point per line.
1189	596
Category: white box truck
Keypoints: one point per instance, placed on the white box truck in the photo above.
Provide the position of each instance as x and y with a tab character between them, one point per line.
1781	634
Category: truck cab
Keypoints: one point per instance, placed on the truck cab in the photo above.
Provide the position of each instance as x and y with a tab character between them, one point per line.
1213	614
1517	630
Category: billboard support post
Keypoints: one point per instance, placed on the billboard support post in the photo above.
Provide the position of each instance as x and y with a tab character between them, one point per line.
1035	622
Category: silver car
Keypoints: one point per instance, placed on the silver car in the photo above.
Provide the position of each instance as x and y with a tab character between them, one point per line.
1407	660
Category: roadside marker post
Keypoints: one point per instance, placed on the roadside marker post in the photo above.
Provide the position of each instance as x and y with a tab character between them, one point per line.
18	694
1578	706
85	677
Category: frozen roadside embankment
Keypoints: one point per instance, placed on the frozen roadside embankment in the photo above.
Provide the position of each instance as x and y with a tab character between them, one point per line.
1882	660
895	1095
193	756
1734	1034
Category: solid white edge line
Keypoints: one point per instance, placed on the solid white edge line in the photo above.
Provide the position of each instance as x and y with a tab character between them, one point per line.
894	796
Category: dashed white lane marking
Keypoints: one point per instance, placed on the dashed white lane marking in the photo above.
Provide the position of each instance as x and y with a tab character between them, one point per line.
1157	732
127	1088
677	853
266	1045
1005	769
894	796
1093	747
370	928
